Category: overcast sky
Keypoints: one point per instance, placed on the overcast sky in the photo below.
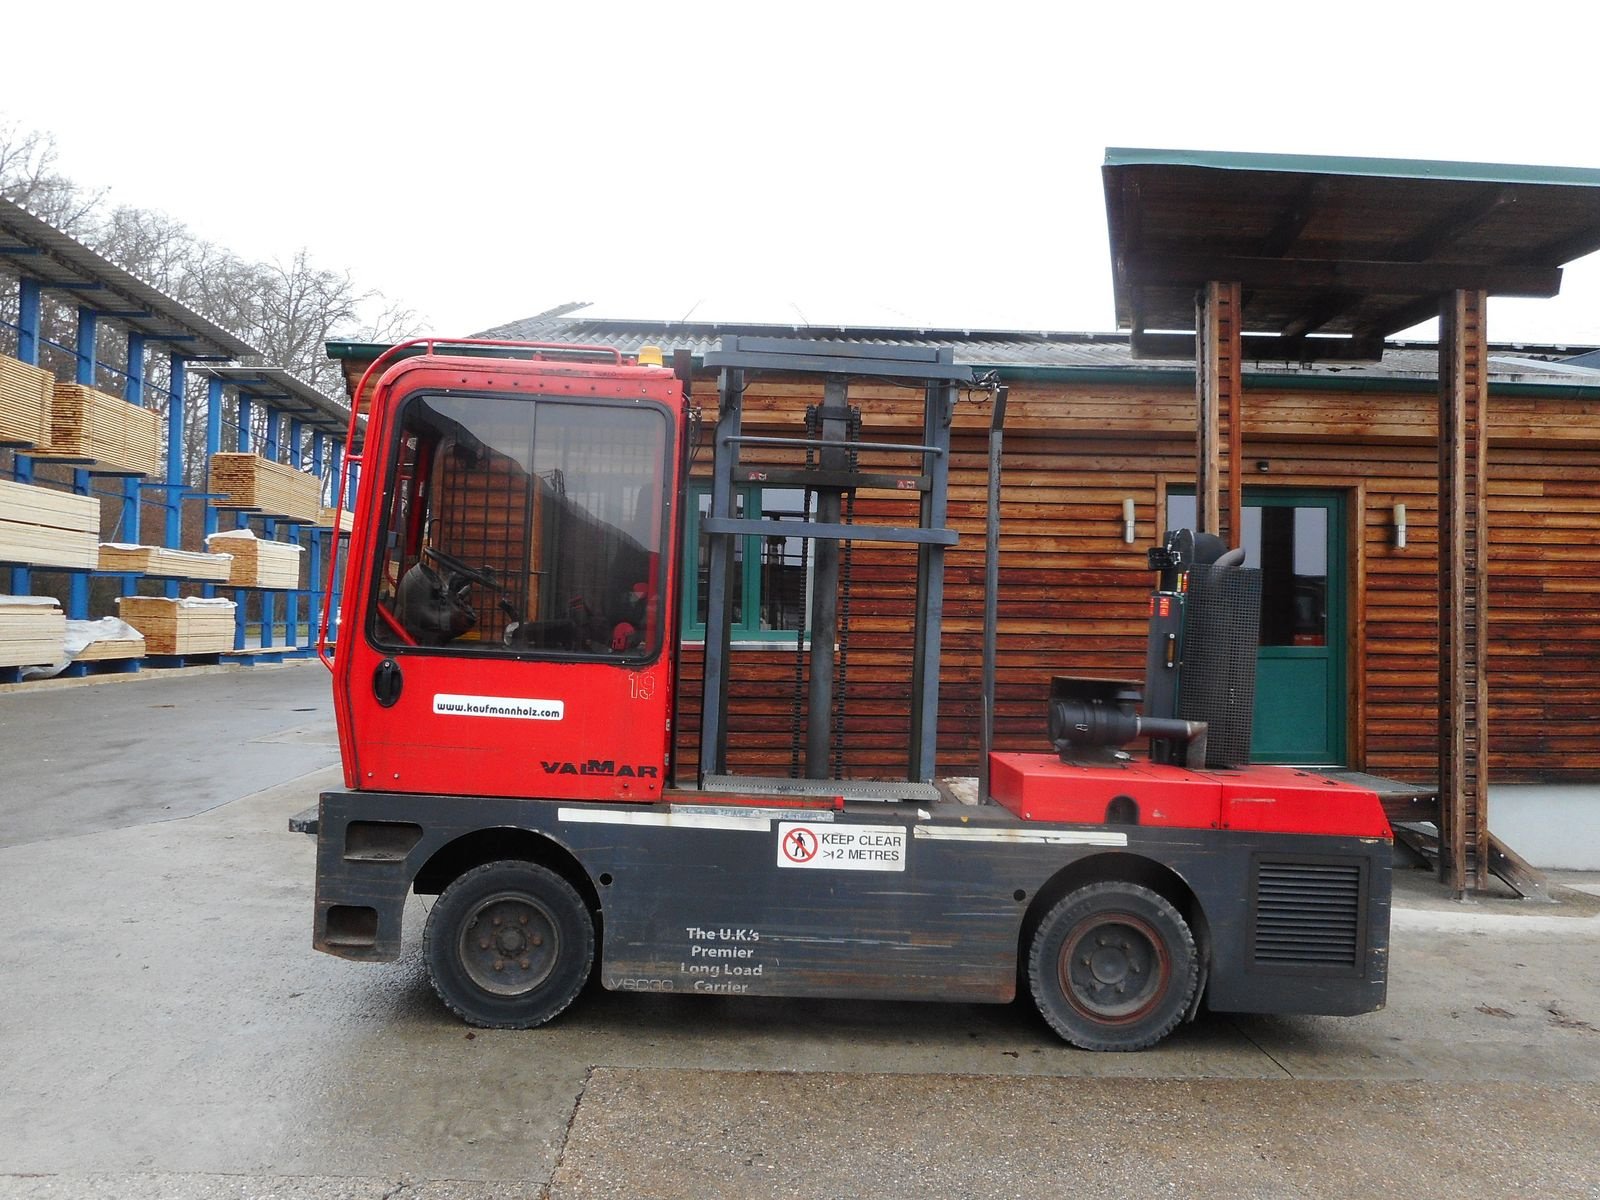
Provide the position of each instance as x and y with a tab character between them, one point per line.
925	164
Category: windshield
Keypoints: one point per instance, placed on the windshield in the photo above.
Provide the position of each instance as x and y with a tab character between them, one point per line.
520	524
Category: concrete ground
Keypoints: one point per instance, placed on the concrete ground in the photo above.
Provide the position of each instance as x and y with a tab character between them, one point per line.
167	1031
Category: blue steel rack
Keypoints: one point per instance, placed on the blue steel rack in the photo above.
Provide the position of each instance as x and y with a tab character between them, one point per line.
44	260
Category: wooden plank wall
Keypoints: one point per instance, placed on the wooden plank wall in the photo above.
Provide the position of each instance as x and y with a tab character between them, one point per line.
484	521
1073	595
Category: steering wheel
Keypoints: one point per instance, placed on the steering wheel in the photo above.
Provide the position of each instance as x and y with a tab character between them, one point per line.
483	576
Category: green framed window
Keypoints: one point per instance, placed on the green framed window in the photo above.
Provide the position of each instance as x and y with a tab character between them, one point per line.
771	577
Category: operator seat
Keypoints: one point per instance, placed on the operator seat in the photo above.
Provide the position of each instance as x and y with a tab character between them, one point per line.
429	610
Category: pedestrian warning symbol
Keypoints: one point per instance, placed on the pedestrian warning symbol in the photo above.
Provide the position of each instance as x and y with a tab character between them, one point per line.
800	845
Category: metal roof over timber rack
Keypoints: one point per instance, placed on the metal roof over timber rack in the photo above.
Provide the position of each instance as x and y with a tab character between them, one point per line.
63	264
288	393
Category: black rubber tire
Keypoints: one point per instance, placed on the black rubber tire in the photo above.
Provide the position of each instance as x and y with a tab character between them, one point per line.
1113	966
508	945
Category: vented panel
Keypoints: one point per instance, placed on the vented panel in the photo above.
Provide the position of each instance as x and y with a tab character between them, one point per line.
1309	915
1221	631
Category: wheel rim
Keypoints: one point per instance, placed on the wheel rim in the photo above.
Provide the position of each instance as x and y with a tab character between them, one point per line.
1114	968
509	943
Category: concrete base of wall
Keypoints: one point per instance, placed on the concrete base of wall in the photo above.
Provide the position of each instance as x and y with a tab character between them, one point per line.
1553	826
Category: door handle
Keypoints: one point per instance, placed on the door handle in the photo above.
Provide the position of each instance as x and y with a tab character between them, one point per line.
387	682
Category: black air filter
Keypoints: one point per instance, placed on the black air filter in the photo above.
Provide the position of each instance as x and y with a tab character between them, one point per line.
1217	684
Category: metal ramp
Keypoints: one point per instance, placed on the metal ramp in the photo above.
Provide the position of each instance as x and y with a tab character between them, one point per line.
1413	812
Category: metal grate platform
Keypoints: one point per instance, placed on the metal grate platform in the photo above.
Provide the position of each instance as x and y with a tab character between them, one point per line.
850	789
1401	801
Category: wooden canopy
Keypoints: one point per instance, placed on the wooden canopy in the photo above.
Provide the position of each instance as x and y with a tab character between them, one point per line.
1306	259
1333	254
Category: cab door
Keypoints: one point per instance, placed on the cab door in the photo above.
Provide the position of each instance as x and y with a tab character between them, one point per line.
507	629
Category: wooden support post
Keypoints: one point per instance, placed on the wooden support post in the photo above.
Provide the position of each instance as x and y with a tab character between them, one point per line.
1463	592
1219	391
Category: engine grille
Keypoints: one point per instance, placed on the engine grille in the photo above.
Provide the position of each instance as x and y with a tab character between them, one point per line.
1309	915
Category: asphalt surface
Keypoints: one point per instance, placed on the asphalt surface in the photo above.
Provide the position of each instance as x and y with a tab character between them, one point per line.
167	1031
127	749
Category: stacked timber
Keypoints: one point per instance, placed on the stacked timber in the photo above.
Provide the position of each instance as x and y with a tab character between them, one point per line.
33	631
41	527
25	393
251	482
347	519
187	626
111	434
103	640
256	562
121	558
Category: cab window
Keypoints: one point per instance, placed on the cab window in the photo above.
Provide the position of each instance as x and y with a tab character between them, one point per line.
524	525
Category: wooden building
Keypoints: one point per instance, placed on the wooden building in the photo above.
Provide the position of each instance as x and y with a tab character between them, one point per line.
1331	451
1424	518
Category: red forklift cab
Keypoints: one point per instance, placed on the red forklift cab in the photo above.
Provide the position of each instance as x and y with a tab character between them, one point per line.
507	627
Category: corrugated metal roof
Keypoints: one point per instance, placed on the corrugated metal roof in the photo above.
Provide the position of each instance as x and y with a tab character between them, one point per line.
35	248
1016	350
986	348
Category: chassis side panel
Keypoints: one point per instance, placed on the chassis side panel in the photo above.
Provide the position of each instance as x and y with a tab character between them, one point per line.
877	901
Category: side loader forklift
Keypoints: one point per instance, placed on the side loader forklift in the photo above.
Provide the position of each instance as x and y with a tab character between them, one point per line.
507	684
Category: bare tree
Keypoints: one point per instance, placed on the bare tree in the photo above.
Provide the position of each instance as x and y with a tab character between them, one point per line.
28	177
157	248
289	310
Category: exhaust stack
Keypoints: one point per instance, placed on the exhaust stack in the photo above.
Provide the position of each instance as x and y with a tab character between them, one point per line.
1200	662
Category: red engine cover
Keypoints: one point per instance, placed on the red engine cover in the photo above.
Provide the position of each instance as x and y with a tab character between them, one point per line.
1257	799
1289	800
1040	787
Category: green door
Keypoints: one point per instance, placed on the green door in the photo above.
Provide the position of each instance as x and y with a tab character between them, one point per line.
1297	539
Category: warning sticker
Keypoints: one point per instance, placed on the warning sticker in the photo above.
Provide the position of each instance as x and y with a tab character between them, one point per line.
842	847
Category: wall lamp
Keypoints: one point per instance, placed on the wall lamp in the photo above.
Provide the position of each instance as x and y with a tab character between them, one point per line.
1399	526
1128	531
